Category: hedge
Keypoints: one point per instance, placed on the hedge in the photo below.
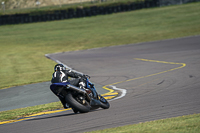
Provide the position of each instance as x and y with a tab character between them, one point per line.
76	12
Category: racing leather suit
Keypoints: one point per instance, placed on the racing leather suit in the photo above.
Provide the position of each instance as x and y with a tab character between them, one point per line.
62	76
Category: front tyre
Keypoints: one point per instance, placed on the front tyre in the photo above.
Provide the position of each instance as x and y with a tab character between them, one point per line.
104	103
76	104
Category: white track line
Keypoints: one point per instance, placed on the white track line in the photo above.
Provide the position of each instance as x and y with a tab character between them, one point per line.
113	87
122	90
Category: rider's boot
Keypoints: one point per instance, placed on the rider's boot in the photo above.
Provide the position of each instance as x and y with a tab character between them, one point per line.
82	85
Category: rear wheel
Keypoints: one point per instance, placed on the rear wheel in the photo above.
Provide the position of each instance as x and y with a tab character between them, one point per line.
104	103
77	105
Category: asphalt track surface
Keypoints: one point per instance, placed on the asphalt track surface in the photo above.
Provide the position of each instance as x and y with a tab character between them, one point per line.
31	95
161	79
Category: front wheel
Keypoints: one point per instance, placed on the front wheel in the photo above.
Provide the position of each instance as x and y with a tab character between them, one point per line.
76	104
104	103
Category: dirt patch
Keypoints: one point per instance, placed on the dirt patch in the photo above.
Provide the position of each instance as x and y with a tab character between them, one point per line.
14	4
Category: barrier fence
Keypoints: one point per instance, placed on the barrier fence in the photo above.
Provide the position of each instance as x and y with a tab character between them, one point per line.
174	2
81	12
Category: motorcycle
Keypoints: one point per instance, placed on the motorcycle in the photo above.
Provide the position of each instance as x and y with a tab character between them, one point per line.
81	100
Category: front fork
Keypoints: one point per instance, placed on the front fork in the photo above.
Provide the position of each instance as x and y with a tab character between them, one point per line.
93	89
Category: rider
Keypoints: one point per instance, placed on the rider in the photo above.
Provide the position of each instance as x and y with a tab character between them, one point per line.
61	75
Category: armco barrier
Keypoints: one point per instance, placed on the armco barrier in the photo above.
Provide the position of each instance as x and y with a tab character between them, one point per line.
76	13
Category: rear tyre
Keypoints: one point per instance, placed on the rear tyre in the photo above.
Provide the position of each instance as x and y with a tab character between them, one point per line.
77	105
104	103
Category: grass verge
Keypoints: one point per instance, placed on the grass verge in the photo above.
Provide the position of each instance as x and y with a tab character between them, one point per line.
182	124
23	112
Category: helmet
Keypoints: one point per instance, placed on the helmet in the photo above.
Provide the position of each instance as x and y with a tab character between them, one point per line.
59	67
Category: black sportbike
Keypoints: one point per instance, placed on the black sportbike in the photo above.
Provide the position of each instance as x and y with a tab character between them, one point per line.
81	100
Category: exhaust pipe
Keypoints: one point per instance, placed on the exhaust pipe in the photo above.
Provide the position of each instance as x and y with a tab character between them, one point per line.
76	88
69	86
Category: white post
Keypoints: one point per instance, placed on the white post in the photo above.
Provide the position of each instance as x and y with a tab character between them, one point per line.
37	3
3	5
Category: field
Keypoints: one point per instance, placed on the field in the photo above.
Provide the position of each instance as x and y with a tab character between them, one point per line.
22	47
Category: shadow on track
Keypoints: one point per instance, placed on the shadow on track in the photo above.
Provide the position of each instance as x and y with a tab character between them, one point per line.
57	116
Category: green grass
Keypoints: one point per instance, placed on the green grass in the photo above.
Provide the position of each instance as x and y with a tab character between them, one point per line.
183	124
22	47
23	112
